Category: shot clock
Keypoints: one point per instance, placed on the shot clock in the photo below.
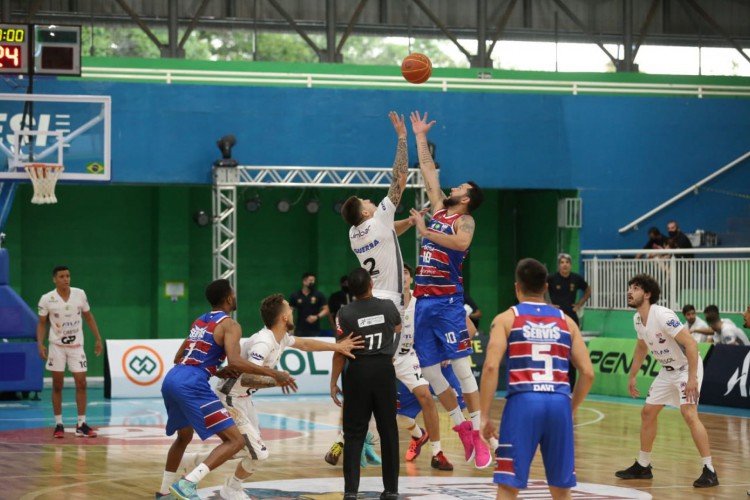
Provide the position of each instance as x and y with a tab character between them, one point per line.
47	49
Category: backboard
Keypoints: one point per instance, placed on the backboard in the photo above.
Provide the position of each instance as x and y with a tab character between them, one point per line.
69	130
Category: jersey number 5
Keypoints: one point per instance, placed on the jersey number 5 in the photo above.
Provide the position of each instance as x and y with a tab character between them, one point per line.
541	352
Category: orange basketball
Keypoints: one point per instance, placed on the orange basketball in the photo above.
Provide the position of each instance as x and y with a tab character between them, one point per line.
416	68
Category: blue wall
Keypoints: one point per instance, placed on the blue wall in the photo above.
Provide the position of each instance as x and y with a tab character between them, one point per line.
626	154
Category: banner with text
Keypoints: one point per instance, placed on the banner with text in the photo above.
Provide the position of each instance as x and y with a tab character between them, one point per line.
612	359
136	368
726	381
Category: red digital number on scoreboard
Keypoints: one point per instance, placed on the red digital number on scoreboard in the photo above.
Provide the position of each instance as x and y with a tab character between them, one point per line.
10	56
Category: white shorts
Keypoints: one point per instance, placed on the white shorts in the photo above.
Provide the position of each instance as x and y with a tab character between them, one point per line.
242	410
668	387
408	370
396	298
58	357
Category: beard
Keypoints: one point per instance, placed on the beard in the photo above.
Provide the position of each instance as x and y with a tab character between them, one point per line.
451	201
635	304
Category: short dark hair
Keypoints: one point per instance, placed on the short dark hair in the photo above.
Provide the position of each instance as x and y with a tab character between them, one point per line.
409	270
359	281
270	308
307	274
217	292
648	285
712	317
687	308
654	230
57	269
711	308
476	196
531	276
343	279
351	211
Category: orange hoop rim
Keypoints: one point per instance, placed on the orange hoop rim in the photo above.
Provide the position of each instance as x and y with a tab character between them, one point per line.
52	166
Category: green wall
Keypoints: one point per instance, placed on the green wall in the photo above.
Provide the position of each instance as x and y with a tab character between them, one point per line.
122	243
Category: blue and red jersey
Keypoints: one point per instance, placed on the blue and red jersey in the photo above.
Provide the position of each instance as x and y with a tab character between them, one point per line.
439	270
202	350
538	350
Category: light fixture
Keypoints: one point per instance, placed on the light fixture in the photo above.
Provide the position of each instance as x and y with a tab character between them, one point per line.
201	218
312	206
252	204
283	206
225	145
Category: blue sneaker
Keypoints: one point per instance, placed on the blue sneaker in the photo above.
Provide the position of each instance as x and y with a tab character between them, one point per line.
184	490
371	455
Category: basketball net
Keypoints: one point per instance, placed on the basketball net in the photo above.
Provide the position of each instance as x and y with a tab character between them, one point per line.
43	178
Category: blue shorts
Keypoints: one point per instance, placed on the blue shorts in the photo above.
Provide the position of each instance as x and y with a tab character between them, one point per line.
407	403
531	420
190	402
440	330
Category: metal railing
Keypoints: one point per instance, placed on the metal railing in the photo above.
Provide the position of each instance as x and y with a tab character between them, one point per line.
719	276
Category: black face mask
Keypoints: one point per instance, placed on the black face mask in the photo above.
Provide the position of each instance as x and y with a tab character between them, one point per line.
672	234
311	286
345	289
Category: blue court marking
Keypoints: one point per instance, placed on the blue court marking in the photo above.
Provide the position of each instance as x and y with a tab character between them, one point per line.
26	414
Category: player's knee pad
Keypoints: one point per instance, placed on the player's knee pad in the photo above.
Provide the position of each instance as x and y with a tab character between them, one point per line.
434	376
462	369
405	422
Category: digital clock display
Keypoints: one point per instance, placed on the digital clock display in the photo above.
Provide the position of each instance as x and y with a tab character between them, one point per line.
14	48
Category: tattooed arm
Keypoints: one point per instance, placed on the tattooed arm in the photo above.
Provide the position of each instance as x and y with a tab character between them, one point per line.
401	163
420	126
459	241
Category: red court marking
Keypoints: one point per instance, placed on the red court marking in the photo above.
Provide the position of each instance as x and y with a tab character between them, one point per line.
117	435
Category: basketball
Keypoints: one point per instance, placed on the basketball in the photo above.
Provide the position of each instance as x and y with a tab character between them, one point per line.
416	68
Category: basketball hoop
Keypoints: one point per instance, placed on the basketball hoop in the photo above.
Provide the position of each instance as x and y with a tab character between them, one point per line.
43	178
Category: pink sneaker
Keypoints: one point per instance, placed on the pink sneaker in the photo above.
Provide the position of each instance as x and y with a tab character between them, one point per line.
482	453
465	434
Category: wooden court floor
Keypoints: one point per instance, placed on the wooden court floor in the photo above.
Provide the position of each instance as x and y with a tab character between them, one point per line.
127	460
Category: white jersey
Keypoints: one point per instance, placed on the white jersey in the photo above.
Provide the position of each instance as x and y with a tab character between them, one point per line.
406	343
662	325
699	324
375	244
731	335
65	318
261	349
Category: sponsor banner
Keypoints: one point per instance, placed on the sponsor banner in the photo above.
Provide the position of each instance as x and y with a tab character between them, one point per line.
136	368
612	359
726	381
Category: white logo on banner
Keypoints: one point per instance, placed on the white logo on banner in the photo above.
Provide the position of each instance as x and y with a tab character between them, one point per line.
740	377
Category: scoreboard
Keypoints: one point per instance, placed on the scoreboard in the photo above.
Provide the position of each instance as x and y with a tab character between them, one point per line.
43	49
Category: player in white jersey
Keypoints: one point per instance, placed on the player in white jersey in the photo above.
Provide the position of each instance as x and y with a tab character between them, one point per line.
65	308
263	348
726	332
699	329
678	384
374	233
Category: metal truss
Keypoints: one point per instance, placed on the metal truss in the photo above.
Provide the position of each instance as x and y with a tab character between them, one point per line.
228	179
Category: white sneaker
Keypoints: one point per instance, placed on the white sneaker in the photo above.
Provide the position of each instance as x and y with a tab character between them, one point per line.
229	493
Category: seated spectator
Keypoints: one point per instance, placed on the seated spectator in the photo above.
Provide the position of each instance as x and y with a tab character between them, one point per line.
698	328
656	241
727	331
680	239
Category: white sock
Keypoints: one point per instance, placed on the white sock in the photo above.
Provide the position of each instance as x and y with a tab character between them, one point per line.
416	432
81	419
198	473
340	438
457	415
235	483
58	419
644	458
475	419
435	447
166	481
708	463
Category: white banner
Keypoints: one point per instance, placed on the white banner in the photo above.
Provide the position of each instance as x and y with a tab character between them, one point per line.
138	367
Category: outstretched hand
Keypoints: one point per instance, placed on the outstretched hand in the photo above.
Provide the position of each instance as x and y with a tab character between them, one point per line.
416	218
350	343
398	124
419	124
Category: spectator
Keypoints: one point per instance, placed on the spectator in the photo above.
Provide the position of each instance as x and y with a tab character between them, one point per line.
472	310
310	305
746	317
564	286
727	332
699	329
656	241
679	238
339	299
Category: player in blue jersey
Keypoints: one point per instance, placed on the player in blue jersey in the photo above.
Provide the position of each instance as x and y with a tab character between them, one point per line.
440	318
540	341
191	404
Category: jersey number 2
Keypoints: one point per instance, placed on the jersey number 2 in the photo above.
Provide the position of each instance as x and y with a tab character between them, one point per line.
371	262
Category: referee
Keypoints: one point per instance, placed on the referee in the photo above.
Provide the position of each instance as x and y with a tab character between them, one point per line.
369	382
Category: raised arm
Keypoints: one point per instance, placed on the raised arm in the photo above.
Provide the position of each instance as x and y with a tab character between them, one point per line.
459	241
401	163
343	347
420	126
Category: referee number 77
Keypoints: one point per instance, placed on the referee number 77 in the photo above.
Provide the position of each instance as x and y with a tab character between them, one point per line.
371	340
